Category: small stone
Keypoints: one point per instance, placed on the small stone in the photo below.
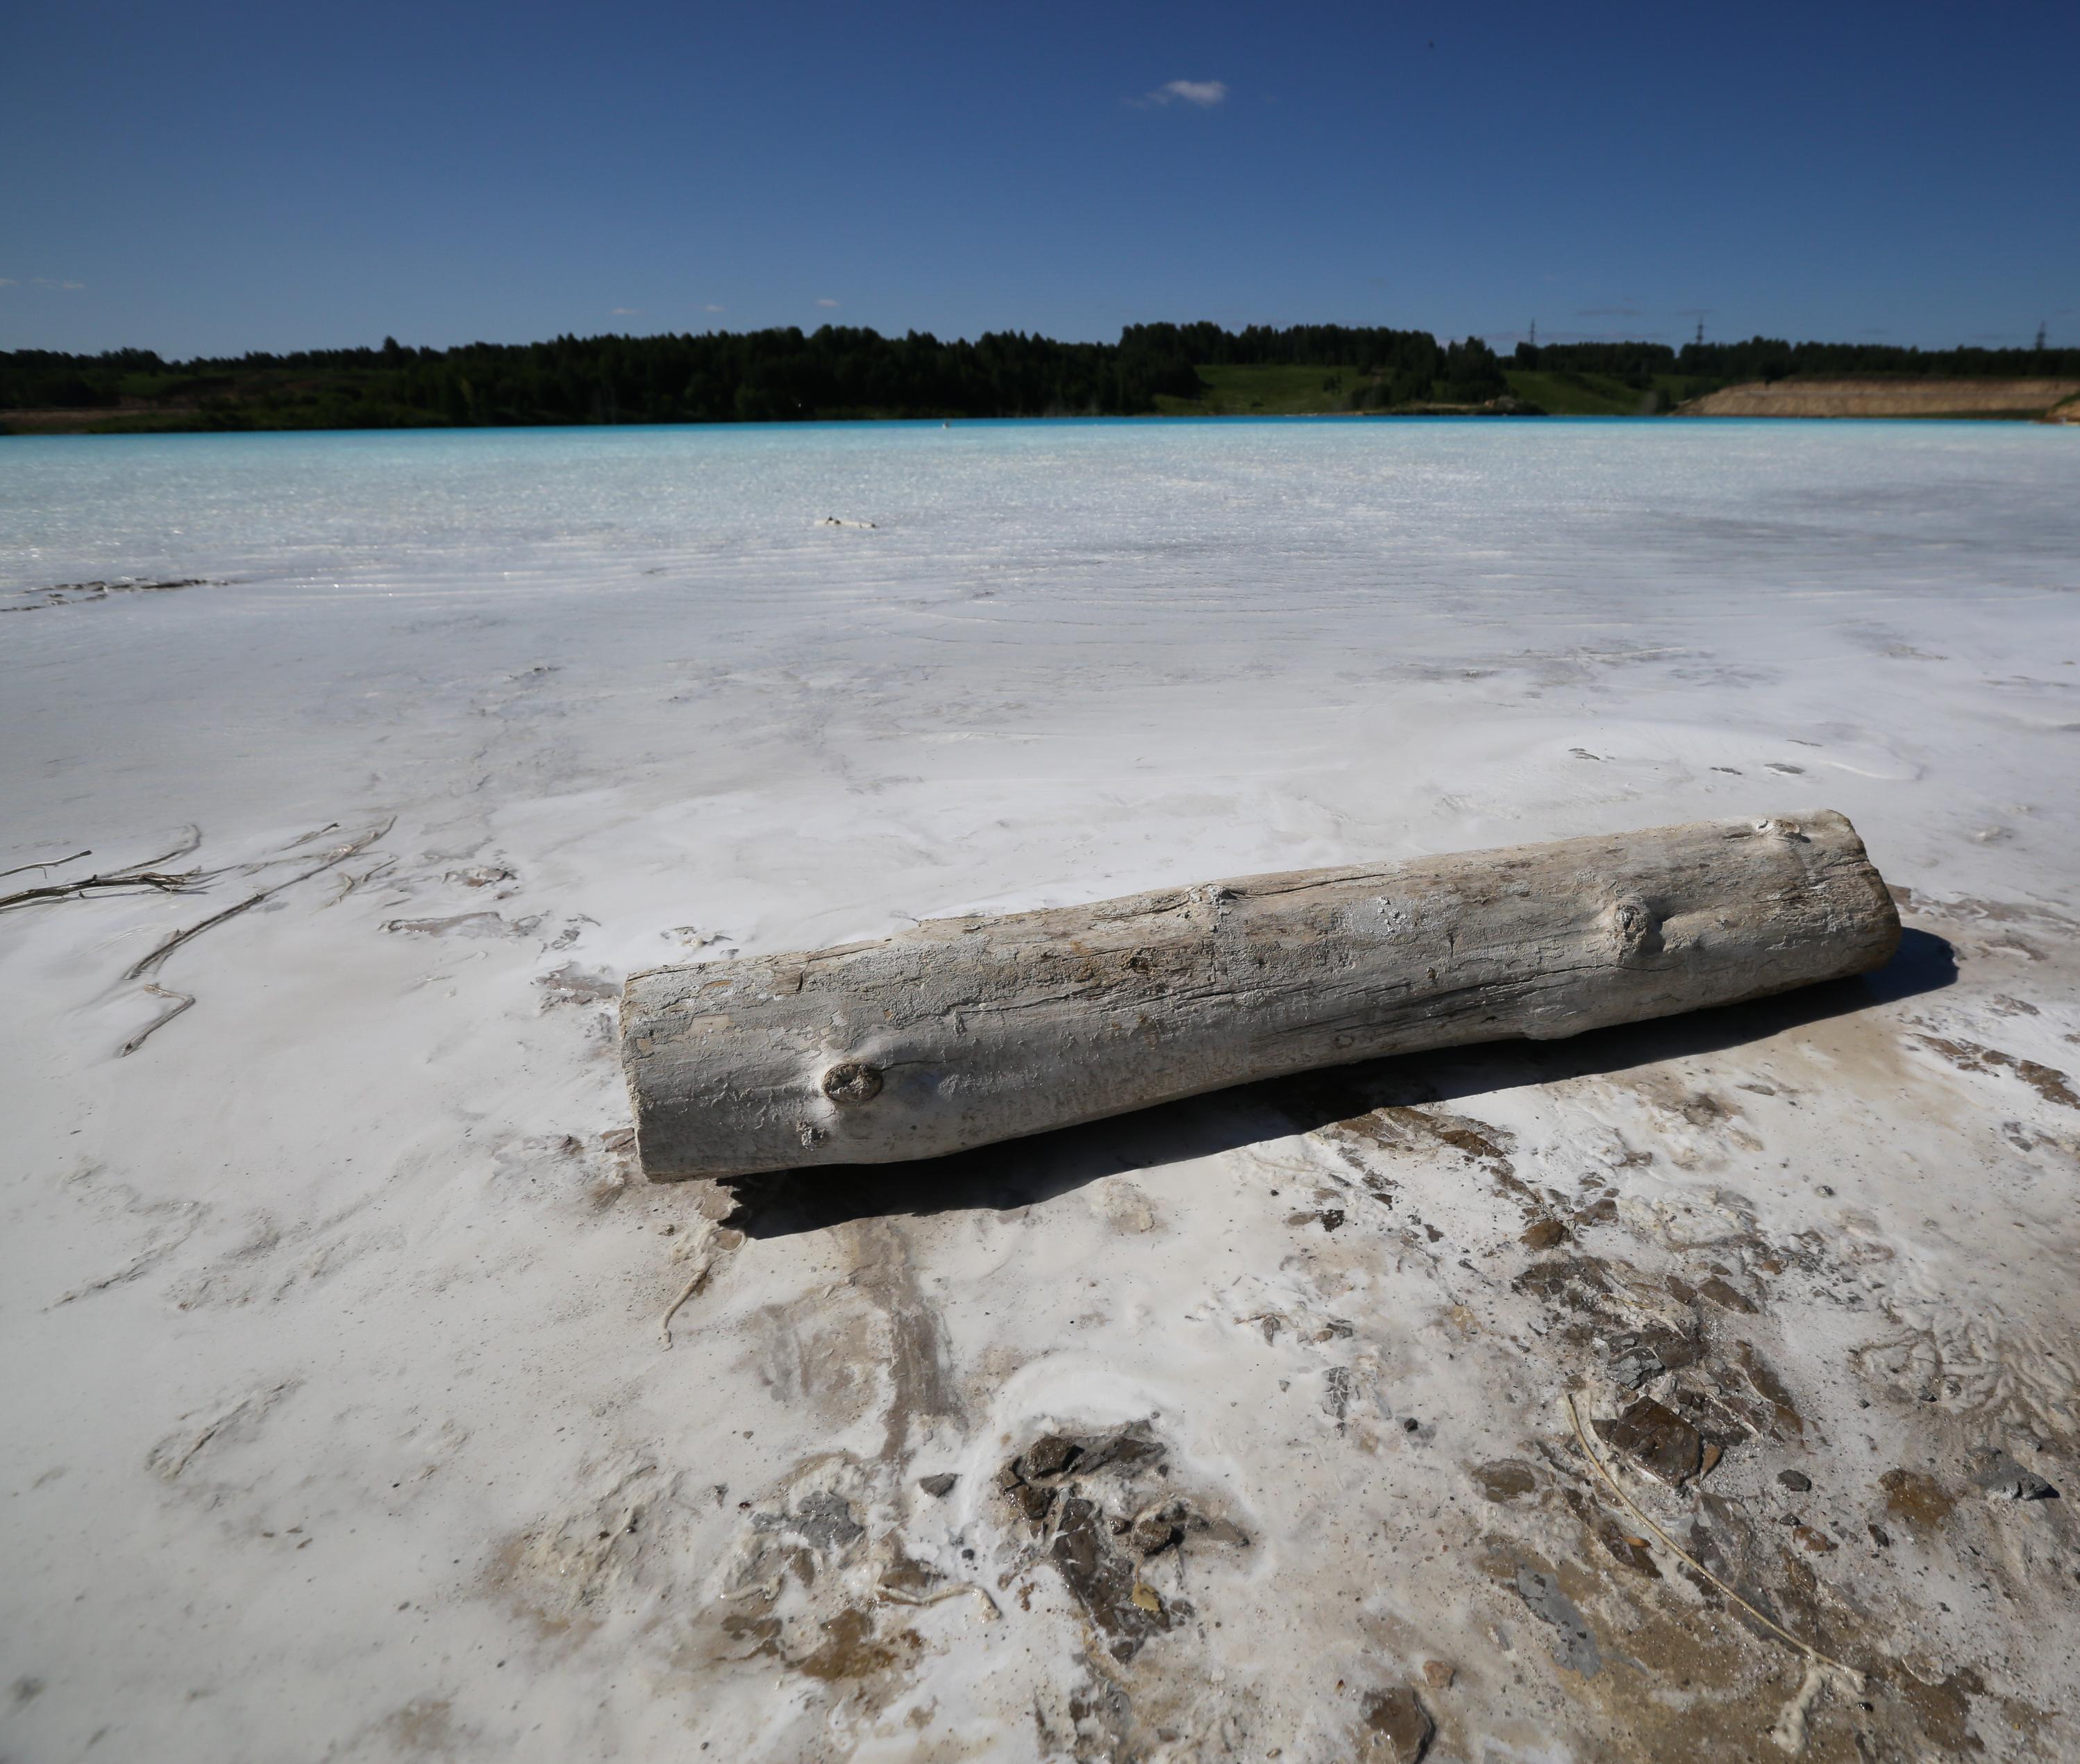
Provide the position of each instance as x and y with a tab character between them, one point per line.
1505	1479
1629	1549
1658	1439
1397	1729
1727	1296
939	1486
1154	1532
1440	1673
1635	1365
1545	1235
2005	1480
1794	1480
1049	1455
1033	1503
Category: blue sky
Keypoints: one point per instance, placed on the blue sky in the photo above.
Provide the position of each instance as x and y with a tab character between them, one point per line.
205	177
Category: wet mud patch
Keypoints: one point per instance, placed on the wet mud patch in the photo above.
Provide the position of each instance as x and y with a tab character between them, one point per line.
30	600
1915	1498
594	1169
621	1542
570	984
1649	1663
202	1435
1681	1356
481	924
2051	1085
1505	1479
819	1583
1573	1640
1104	1512
1411	1130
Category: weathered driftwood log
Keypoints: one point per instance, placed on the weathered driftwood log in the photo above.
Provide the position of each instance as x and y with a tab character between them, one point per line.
966	1031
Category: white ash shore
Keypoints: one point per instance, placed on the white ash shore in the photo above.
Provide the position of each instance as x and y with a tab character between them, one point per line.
345	1416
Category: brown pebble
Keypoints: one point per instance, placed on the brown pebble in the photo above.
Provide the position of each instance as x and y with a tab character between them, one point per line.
1397	1727
1657	1439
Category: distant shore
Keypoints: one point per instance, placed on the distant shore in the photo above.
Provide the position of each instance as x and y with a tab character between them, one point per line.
841	374
2017	401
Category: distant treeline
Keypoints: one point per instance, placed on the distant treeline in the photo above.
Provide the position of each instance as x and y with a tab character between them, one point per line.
1395	368
1770	357
775	375
755	376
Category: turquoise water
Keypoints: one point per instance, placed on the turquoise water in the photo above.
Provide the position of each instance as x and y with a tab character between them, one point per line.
1298	508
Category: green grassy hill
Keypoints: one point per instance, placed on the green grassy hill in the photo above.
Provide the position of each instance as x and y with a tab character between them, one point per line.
1280	390
1566	392
1273	390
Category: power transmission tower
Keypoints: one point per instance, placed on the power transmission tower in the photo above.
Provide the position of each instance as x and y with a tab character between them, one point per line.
2040	336
1701	333
1534	336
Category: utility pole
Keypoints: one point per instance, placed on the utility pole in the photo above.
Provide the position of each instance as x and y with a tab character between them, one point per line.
1534	336
2040	336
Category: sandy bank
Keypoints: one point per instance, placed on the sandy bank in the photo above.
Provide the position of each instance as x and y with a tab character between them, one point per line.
1885	398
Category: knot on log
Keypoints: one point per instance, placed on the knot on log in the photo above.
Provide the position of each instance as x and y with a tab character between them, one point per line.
1638	931
852	1082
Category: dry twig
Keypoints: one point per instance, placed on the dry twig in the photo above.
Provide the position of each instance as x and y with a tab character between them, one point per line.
52	865
896	1596
338	855
181	1002
146	875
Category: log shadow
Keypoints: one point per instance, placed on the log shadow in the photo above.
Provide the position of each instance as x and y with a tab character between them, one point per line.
1020	1172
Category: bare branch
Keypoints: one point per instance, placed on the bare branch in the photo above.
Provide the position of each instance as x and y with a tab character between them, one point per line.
52	865
181	1002
338	855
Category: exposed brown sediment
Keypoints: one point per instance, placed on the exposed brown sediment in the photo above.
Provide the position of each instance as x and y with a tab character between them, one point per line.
1890	397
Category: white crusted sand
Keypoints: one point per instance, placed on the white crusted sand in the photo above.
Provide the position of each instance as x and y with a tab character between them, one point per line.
338	1423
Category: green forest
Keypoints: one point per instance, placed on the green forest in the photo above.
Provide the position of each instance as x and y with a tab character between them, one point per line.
783	375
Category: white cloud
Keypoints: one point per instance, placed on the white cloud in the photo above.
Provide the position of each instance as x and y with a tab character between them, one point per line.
1205	93
827	303
626	311
50	281
712	307
7	282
